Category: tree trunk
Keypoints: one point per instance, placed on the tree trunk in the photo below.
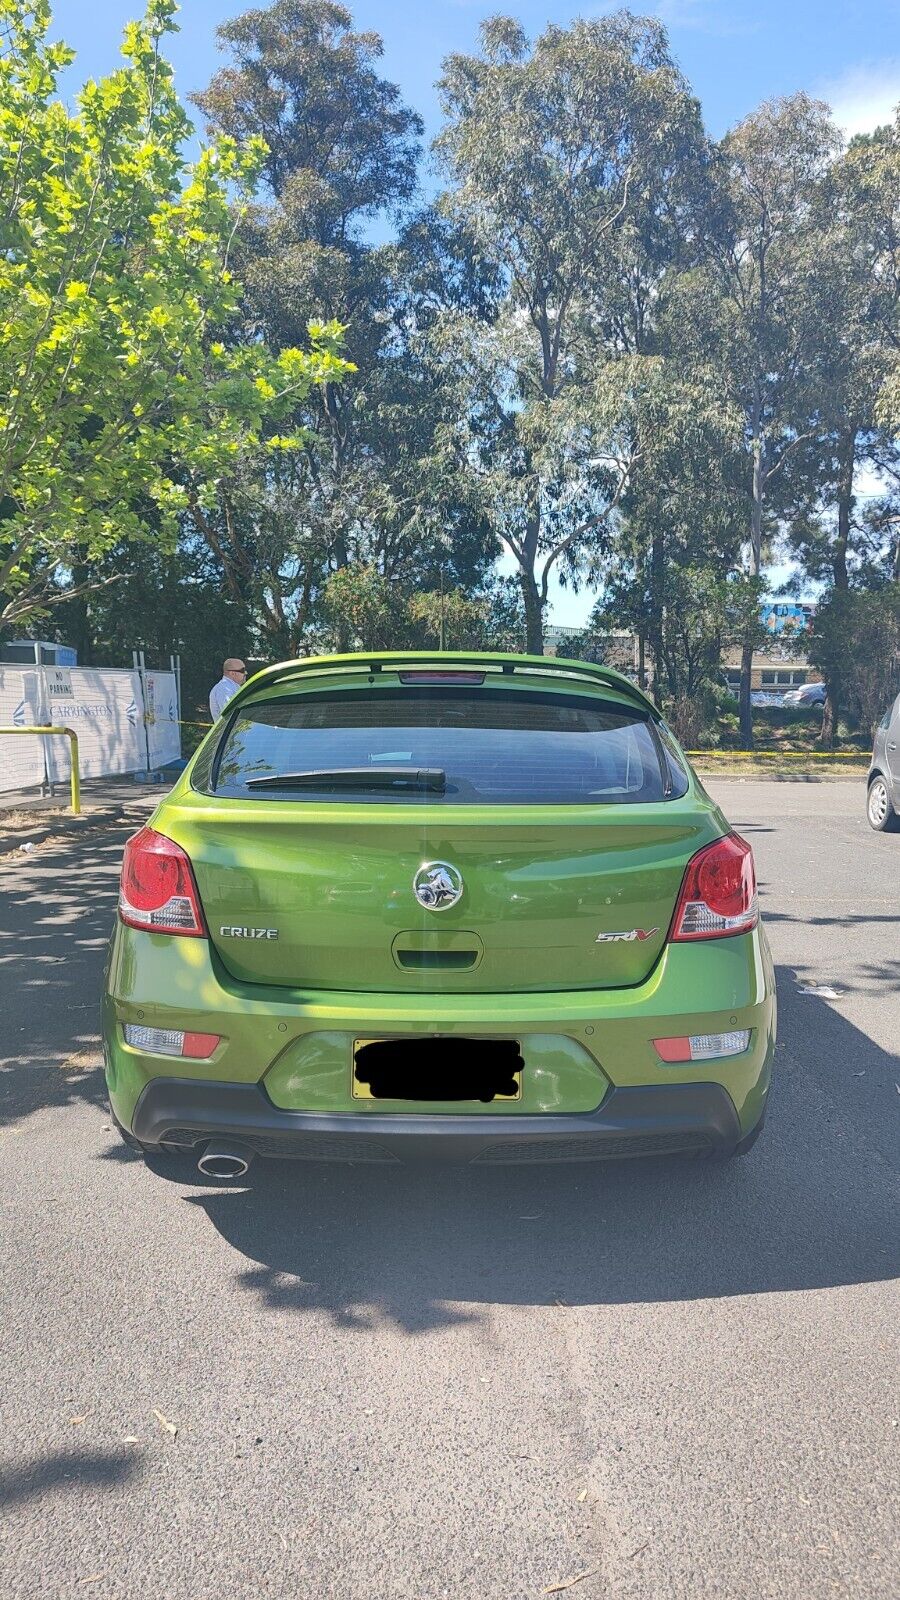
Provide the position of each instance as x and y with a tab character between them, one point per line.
79	620
656	620
746	710
832	708
756	520
343	634
534	614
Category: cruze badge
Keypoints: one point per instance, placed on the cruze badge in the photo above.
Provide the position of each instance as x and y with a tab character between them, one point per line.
626	938
230	932
437	886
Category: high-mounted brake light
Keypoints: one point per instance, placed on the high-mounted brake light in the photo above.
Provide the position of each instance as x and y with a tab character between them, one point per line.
441	677
157	889
718	893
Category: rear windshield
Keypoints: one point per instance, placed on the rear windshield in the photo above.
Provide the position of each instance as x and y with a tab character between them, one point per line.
446	745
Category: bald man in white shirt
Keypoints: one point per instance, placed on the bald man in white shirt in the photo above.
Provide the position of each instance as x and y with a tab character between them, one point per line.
233	675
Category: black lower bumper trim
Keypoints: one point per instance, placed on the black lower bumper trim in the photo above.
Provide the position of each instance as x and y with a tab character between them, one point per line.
656	1119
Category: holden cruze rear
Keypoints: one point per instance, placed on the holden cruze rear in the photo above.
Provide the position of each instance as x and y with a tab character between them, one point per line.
401	904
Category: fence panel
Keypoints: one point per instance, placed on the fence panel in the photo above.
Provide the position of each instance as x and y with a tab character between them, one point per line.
163	730
105	707
21	758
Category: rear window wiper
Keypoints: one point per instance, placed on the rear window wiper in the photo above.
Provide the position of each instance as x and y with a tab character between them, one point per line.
434	779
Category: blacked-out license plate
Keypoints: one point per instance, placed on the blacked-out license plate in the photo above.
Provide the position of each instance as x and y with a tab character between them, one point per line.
442	1068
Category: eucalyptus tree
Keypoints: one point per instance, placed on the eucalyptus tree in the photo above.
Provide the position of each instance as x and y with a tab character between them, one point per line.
840	536
671	570
566	160
871	178
873	172
751	311
341	168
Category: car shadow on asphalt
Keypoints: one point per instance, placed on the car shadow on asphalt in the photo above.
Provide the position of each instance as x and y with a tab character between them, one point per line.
54	928
812	1206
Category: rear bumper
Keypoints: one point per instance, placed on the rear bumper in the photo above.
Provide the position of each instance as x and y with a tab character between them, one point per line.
593	1082
652	1120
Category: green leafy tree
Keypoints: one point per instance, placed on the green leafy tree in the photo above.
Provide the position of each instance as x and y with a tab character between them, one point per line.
569	161
749	311
487	619
855	283
165	602
378	613
124	403
343	154
855	643
873	172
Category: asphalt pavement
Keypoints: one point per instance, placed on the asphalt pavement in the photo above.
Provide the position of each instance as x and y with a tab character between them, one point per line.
660	1379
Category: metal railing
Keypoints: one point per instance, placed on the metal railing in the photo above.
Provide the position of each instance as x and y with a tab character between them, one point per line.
69	733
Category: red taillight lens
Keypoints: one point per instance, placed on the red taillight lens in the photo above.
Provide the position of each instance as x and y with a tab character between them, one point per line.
157	888
718	894
199	1046
673	1049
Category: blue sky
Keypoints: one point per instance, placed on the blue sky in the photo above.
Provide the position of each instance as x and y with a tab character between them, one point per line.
735	53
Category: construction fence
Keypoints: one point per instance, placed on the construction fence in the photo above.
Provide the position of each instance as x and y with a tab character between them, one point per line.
127	721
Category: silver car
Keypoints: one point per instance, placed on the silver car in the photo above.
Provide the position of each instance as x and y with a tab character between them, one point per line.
808	694
883	802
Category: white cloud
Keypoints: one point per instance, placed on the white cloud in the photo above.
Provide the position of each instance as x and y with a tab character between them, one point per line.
865	96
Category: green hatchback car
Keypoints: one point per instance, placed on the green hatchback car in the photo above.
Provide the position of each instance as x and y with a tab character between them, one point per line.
468	905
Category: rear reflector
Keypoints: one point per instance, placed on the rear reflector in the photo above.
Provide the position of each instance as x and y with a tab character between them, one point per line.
171	1042
703	1046
718	893
157	889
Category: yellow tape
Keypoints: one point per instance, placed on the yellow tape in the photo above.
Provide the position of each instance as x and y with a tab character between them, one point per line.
182	722
781	755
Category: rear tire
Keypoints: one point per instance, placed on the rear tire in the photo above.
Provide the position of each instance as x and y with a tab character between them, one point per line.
879	809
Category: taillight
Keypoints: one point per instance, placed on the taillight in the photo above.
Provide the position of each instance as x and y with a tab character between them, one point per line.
718	894
703	1046
171	1041
157	888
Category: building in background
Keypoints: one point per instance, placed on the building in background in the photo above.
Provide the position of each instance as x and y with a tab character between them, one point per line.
780	668
557	640
38	653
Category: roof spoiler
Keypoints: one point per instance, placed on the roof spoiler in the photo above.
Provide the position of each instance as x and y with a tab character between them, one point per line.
492	663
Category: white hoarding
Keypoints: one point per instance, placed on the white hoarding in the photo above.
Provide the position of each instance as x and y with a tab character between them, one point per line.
105	707
21	757
161	713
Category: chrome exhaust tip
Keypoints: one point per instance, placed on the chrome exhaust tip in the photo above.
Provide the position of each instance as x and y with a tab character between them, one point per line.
222	1159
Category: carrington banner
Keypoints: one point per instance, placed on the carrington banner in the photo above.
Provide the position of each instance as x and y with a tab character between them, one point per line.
106	706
